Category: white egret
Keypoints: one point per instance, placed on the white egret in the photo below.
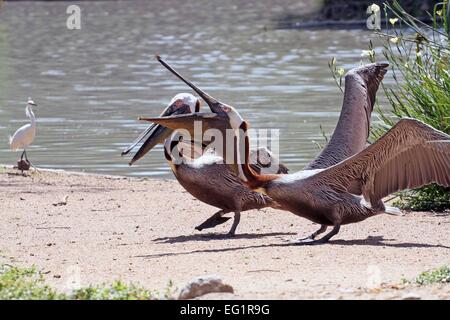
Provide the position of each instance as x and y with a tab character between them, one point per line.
24	136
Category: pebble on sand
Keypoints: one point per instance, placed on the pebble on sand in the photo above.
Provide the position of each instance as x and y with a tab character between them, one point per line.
203	285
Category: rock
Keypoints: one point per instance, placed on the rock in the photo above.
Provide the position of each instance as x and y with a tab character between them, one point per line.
411	296
202	285
23	165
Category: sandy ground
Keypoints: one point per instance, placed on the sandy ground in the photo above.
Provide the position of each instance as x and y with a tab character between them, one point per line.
142	231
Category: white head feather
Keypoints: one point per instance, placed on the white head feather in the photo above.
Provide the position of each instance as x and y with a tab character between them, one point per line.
185	98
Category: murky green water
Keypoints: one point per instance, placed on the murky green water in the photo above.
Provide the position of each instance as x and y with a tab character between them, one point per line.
92	84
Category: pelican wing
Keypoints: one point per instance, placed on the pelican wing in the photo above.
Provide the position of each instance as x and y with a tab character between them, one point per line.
352	130
408	156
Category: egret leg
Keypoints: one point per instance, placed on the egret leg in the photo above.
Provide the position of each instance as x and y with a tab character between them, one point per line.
237	219
214	220
23	153
31	164
324	239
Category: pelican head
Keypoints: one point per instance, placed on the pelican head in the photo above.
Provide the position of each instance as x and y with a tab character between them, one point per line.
182	103
222	116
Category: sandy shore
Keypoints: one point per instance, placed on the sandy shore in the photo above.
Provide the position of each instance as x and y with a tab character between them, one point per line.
142	231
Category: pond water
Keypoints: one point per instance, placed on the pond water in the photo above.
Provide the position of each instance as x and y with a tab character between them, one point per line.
92	84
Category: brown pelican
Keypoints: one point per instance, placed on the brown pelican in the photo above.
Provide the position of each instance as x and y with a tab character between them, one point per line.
348	190
411	154
205	176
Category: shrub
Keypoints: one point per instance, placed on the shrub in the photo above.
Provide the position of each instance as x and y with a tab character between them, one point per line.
28	284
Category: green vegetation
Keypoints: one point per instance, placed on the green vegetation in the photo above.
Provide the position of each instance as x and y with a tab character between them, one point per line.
116	291
420	59
29	284
440	275
419	56
24	284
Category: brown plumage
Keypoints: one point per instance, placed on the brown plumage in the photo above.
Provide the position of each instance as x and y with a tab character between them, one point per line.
410	155
352	129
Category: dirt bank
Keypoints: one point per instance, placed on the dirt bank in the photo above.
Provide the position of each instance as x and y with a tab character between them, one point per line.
142	230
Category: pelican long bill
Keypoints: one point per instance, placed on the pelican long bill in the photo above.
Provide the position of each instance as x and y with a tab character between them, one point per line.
189	121
215	105
158	135
138	139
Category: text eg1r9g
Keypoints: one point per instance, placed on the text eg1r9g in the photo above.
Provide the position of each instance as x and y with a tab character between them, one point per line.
246	309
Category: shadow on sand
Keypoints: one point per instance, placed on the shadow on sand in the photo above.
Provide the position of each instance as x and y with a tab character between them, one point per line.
220	236
377	241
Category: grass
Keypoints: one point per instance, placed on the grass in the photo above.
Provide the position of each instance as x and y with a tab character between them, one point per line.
29	284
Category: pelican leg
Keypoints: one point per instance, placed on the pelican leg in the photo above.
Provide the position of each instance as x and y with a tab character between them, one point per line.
237	219
330	234
213	221
322	229
324	239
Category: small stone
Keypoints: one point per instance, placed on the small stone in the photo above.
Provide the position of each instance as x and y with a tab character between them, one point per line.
411	296
23	165
203	285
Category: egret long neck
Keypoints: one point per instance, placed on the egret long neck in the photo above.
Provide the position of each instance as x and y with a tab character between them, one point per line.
30	115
